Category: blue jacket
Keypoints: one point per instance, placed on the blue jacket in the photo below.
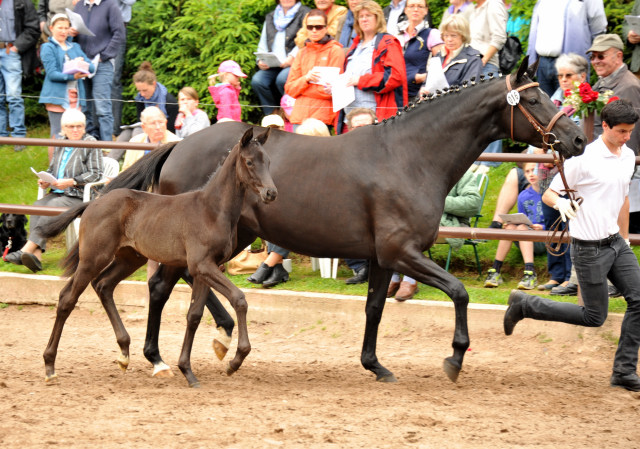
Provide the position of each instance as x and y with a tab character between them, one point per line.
466	65
54	88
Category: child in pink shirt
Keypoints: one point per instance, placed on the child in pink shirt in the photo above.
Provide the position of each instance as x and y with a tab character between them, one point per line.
225	92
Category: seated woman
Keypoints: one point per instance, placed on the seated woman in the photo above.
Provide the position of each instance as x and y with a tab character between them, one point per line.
305	82
334	14
72	168
278	37
530	204
190	119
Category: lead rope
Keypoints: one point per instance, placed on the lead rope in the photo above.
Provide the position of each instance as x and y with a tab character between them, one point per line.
513	98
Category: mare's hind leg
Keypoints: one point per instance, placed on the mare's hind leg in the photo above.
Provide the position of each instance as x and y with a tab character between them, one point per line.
125	264
68	298
423	269
224	322
376	298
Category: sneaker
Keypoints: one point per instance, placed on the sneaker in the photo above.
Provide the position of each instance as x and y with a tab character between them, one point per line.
493	278
19	148
529	281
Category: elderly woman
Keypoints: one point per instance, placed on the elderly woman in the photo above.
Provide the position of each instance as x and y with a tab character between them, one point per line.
278	37
375	65
460	61
571	68
419	42
72	168
305	82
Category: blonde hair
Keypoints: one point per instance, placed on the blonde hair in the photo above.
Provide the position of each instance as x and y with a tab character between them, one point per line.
455	23
219	78
313	127
189	92
376	10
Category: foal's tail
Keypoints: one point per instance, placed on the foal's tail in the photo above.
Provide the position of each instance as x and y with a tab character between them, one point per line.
71	261
145	173
58	224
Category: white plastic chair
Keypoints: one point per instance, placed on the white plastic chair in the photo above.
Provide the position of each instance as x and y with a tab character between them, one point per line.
328	267
111	168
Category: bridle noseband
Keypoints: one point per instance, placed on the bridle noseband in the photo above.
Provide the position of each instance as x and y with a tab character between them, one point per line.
513	98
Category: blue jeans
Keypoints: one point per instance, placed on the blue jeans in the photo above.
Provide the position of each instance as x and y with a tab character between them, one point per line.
559	267
594	264
496	145
547	75
99	113
11	92
269	86
272	247
116	87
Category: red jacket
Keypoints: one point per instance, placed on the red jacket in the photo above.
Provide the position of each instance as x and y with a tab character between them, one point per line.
311	99
388	77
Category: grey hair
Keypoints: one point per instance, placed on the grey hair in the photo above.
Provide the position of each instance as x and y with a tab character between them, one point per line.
72	116
573	61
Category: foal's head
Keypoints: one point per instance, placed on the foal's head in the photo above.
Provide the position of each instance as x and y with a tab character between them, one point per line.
252	166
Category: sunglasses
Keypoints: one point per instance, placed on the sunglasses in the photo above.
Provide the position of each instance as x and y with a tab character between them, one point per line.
316	27
598	56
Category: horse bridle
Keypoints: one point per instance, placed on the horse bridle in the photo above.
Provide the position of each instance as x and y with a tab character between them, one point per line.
513	98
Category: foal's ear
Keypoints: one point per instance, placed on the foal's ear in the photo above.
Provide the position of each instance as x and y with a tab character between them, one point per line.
246	138
262	138
523	69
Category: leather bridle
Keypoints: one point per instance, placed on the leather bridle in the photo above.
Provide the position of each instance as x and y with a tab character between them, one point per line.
513	98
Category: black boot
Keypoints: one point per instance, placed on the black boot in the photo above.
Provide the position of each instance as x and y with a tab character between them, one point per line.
278	275
362	276
263	272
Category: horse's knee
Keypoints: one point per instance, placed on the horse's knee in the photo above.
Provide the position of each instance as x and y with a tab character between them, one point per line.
459	294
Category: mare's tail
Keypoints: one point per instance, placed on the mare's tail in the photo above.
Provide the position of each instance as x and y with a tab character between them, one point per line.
145	173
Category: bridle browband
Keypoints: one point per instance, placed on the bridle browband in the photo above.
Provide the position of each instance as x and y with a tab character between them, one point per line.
513	98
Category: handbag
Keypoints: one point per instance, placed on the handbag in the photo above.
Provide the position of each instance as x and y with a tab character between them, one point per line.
247	261
510	54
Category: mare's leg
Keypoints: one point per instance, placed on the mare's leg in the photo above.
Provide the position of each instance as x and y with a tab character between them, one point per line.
379	279
419	267
125	264
209	273
224	321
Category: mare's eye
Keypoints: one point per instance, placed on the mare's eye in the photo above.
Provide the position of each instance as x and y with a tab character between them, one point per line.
249	163
532	101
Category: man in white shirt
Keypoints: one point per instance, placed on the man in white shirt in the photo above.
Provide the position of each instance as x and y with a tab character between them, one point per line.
601	177
393	14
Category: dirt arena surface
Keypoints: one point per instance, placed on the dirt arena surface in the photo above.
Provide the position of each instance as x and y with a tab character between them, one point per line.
302	386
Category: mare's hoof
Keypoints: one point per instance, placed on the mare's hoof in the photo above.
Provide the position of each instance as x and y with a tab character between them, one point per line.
451	368
230	370
387	378
123	363
51	380
221	343
195	384
163	374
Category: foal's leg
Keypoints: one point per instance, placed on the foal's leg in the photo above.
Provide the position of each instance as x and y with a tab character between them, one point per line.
125	264
379	279
419	267
224	322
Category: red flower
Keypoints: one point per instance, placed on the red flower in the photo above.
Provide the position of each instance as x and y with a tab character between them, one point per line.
587	94
614	98
567	93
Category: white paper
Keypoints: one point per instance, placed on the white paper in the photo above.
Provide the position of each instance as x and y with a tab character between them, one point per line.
341	94
271	59
78	23
634	23
45	176
327	75
435	76
518	218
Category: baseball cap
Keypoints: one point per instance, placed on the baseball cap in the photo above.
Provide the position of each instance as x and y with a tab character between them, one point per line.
604	42
231	67
272	120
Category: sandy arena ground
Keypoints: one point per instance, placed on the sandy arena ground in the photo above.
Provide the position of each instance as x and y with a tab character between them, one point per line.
302	386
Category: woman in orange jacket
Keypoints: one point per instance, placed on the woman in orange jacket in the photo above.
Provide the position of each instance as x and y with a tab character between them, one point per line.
306	82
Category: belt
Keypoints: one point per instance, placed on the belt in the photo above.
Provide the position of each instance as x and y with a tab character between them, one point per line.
597	243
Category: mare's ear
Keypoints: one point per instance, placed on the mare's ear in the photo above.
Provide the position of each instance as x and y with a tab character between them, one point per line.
246	138
522	70
262	138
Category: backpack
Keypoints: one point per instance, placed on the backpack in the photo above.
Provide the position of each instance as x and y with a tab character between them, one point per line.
510	54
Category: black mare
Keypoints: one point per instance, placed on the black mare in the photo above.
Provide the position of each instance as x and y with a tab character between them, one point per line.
123	228
375	193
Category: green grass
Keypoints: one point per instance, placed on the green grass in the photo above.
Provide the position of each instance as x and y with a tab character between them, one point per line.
18	186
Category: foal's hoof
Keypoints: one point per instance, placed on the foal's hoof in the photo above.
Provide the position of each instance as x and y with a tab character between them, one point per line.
123	362
195	384
230	370
51	380
162	371
387	378
451	368
221	343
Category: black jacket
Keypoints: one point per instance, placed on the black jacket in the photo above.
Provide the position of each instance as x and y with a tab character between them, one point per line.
27	34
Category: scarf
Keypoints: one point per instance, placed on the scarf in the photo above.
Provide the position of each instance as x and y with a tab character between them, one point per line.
347	34
281	20
159	98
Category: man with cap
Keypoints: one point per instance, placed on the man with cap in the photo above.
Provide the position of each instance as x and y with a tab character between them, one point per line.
558	27
613	74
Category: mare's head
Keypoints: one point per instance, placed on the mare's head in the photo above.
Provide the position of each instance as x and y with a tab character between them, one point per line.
252	165
531	117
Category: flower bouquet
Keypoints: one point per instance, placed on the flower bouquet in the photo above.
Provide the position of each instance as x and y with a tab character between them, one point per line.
582	100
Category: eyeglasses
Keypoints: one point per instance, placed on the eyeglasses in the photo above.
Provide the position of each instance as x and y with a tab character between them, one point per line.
415	7
316	27
74	126
562	76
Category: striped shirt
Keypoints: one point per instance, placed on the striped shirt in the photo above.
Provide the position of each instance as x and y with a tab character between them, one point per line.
84	165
